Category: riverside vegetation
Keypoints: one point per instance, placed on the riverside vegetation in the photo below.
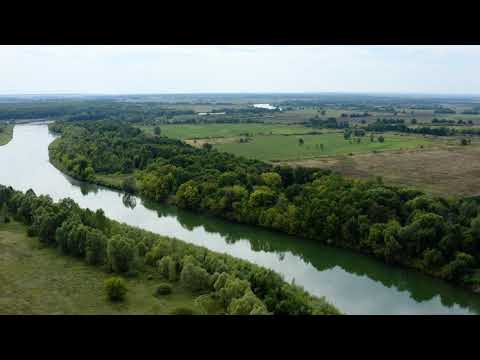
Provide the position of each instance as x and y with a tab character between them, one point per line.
218	283
438	236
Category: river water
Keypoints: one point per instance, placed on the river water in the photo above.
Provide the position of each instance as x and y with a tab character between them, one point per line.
356	284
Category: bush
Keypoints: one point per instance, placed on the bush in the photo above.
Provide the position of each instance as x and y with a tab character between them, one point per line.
116	288
31	231
163	289
183	311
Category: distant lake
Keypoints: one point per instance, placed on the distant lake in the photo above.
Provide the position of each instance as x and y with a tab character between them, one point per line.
266	106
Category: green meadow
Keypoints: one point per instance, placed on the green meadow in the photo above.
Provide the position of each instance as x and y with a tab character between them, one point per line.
202	131
35	279
278	147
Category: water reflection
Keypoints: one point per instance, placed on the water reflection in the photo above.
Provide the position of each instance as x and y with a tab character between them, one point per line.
421	288
354	283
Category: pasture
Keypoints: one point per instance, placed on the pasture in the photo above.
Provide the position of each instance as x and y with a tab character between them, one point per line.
203	131
279	147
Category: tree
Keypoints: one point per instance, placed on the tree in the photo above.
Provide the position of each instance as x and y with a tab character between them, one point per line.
207	146
381	139
272	179
120	254
167	267
194	277
229	287
464	142
188	195
300	141
116	289
157	131
247	304
432	258
129	184
455	269
95	247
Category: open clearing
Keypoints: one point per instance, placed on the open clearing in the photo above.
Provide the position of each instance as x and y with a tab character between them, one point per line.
202	131
445	171
39	280
278	147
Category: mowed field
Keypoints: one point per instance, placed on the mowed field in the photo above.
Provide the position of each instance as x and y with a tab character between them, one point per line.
202	131
278	147
39	280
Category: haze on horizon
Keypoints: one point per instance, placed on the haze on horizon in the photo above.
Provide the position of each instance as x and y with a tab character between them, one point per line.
239	69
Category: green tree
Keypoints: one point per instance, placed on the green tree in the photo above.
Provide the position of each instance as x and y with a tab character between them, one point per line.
129	185
188	195
248	304
120	254
194	277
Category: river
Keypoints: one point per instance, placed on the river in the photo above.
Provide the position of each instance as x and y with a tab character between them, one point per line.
356	284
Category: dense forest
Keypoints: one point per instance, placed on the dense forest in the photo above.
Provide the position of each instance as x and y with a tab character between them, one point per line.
438	236
241	287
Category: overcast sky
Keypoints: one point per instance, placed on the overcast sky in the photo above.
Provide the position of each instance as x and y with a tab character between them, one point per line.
192	69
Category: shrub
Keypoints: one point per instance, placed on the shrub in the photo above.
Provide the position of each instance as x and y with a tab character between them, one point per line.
116	289
163	289
31	231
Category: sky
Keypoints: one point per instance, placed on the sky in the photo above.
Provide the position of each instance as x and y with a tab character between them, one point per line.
63	69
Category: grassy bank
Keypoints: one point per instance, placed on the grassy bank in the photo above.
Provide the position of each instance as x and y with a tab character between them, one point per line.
201	281
6	134
36	279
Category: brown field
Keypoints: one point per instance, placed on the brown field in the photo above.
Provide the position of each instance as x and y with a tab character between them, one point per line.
446	171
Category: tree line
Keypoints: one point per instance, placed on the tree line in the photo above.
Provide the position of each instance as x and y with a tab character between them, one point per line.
398	225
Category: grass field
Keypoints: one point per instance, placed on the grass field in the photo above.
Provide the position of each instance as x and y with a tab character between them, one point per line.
6	133
278	147
202	131
39	280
